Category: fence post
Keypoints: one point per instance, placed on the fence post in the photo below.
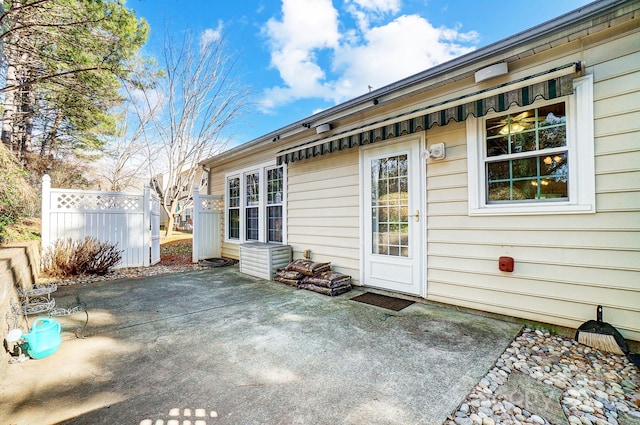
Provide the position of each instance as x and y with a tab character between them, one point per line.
146	226
195	242
44	212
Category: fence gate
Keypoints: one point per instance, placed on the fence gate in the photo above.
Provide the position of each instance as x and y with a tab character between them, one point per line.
207	212
124	219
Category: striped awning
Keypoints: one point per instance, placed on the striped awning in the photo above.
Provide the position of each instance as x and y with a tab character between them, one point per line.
441	114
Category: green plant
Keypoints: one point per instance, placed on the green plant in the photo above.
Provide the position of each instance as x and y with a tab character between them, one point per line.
27	229
17	198
68	257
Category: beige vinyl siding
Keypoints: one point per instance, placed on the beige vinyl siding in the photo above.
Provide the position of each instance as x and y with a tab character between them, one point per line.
323	210
565	265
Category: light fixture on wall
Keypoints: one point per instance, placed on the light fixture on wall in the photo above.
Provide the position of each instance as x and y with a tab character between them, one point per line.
492	71
436	151
323	128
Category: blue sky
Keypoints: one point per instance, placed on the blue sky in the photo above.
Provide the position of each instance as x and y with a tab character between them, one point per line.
302	56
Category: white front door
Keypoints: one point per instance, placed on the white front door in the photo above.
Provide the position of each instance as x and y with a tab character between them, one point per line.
393	217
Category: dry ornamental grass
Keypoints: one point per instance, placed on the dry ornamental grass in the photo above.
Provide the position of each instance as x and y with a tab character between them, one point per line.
175	257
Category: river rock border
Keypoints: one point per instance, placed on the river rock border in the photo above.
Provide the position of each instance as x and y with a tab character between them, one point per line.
597	388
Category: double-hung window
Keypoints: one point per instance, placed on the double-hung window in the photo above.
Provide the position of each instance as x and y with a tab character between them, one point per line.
254	204
536	159
275	191
233	208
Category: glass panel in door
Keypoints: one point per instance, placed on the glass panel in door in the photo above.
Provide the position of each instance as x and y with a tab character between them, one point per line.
390	206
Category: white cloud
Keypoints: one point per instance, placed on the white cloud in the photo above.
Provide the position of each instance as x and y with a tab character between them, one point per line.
403	47
211	35
379	5
369	54
305	25
366	11
305	29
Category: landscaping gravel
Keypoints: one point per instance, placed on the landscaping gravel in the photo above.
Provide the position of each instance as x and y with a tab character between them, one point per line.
593	387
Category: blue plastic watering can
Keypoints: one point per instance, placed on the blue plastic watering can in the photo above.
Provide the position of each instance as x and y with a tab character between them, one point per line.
44	338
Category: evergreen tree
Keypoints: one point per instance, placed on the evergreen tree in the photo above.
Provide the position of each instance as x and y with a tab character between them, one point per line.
63	63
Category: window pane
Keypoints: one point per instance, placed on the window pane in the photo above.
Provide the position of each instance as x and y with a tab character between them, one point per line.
252	182
553	189
554	177
498	171
252	224
383	214
234	192
498	146
274	216
274	186
403	214
500	191
525	189
494	126
524	168
234	224
523	142
552	115
555	165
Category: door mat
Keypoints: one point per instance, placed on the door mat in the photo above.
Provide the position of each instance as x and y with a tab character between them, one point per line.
384	301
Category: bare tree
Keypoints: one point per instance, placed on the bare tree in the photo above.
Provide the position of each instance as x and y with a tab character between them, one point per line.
127	155
201	99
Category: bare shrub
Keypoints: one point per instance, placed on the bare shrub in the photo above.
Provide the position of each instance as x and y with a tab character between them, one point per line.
68	257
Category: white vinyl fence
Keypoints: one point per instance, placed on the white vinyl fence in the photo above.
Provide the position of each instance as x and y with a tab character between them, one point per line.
132	221
207	212
155	227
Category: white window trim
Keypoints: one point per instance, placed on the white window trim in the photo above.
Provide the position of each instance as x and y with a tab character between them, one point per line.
283	202
262	207
582	198
227	207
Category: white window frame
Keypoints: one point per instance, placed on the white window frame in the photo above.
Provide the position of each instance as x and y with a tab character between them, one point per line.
227	207
580	148
245	205
262	205
280	204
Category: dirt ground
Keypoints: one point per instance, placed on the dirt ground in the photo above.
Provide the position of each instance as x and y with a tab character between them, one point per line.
176	252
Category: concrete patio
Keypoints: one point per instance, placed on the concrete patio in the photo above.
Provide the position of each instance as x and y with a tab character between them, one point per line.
219	347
